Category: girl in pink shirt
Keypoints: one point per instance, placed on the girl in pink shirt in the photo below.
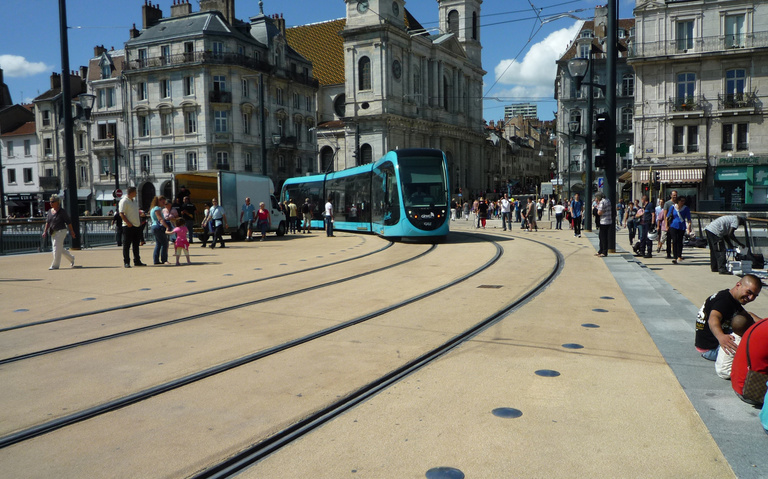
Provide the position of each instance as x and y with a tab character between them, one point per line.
181	243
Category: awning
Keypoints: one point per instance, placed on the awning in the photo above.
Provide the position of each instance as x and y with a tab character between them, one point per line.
82	193
104	196
626	177
683	175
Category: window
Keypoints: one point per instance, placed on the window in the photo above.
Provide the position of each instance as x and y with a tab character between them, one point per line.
165	54
81	141
684	35
83	175
686	86
281	163
11	176
453	22
165	88
727	137
47	147
166	124
27	175
693	139
241	50
584	50
734	31
146	163
245	88
246	124
248	162
679	140
168	163
141	90
364	74
218	50
742	140
49	172
106	70
9	149
101	98
27	147
297	130
279	96
309	133
626	119
189	51
104	166
190	122
106	131
366	154
309	102
586	34
220	121
339	105
219	83
222	160
191	161
576	116
143	126
416	81
110	94
280	127
474	25
189	86
734	82
296	102
46	117
628	85
142	57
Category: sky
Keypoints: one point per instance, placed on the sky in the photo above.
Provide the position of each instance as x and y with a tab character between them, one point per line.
521	39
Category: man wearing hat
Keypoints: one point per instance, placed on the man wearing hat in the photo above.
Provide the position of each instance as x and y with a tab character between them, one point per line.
57	223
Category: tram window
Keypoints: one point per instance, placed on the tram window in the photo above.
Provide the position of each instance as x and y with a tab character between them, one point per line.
300	191
385	195
357	192
423	182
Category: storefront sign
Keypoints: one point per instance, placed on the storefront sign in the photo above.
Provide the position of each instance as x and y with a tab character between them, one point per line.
731	174
743	160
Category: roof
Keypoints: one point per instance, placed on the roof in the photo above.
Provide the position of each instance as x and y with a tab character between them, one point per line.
572	52
321	44
192	25
27	128
117	60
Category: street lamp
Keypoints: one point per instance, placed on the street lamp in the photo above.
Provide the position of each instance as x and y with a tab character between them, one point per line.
573	127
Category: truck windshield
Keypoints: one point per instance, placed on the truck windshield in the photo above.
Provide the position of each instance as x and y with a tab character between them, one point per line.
423	181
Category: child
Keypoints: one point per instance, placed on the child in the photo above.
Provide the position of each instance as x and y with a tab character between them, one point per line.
181	243
739	325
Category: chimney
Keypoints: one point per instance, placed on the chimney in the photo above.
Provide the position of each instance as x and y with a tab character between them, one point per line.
181	8
150	14
225	7
83	72
98	50
133	32
280	24
55	81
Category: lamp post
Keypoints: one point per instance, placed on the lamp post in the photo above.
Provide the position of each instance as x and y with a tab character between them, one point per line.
573	127
86	101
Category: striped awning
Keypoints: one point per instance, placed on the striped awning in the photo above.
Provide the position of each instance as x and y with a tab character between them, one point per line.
682	175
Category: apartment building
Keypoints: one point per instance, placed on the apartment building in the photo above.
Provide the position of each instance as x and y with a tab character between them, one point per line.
700	121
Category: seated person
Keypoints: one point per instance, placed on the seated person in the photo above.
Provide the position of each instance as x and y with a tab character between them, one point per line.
739	325
755	339
713	323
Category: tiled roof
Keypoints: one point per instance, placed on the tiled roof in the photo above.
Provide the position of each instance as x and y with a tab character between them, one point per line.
118	61
624	24
321	44
27	128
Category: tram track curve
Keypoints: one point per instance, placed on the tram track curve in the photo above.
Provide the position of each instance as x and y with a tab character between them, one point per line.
88	413
188	294
251	455
213	312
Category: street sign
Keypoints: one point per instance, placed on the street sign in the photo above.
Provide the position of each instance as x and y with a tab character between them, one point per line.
546	189
118	193
600	182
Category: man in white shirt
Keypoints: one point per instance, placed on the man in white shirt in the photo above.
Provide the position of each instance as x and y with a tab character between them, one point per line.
506	213
559	212
129	212
328	215
605	213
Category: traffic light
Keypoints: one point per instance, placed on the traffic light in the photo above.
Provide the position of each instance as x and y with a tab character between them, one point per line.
601	131
600	161
656	177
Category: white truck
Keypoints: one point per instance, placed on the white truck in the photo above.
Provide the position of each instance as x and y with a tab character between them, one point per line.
231	188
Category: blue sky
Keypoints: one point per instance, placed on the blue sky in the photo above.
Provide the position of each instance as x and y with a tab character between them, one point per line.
512	31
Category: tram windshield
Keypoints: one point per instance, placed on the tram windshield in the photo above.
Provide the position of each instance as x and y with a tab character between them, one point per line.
423	181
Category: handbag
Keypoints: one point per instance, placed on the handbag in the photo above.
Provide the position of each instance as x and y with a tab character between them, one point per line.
755	382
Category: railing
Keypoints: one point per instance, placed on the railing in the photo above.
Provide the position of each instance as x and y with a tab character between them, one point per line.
737	100
719	43
216	96
757	229
688	103
26	236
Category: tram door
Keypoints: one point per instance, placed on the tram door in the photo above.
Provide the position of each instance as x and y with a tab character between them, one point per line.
385	195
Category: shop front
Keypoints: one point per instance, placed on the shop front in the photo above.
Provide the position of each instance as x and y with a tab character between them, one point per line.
741	183
23	205
687	182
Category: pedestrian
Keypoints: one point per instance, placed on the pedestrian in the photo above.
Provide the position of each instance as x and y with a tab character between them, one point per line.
667	205
661	225
217	218
132	227
577	210
181	244
506	213
465	210
159	226
679	221
306	212
293	216
328	217
540	208
453	209
171	213
188	210
646	216
57	224
482	212
620	212
517	211
631	221
559	211
719	232
751	356
263	220
531	214
605	218
713	322
248	214
206	226
118	223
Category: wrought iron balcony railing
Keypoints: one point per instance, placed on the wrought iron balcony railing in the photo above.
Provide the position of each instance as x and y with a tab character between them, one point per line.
718	43
687	103
737	100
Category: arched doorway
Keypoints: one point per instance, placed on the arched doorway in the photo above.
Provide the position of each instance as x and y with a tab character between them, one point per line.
167	190
147	193
326	159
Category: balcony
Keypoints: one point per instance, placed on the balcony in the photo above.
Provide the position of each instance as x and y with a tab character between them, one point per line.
103	144
678	149
719	43
693	148
222	166
49	183
220	96
688	103
198	57
731	101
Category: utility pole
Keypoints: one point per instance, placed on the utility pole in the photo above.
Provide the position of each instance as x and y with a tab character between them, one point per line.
610	100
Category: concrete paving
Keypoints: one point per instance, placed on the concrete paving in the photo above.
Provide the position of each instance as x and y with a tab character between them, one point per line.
635	400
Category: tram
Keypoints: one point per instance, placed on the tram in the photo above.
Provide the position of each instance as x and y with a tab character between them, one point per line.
402	195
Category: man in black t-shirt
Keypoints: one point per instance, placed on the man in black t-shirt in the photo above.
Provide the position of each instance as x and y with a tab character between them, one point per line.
713	323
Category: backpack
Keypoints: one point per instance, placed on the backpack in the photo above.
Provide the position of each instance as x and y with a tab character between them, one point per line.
305	208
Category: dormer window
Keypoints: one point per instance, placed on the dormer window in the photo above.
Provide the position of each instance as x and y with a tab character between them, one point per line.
106	70
587	34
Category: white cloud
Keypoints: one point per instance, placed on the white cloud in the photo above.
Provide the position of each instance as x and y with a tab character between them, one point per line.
18	66
537	70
